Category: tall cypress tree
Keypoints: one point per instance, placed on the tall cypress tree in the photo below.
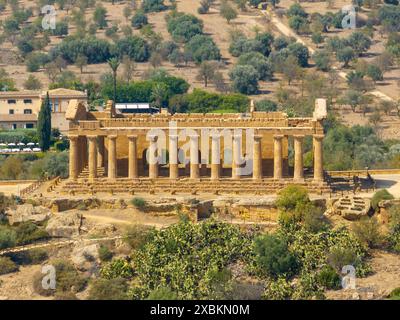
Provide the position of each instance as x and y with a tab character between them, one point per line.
44	124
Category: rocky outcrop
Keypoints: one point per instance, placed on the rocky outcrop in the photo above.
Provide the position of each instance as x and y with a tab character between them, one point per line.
27	212
85	257
64	204
65	225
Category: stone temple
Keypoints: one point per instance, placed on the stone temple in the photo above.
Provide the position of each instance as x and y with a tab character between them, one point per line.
240	153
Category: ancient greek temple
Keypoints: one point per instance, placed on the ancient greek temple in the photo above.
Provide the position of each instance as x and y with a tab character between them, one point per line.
192	153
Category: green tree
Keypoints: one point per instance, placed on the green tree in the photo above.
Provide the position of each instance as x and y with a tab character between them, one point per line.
114	63
258	62
207	71
345	55
44	124
99	16
227	11
244	79
32	83
359	42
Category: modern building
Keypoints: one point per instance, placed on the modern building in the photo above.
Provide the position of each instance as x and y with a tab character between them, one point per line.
135	108
20	109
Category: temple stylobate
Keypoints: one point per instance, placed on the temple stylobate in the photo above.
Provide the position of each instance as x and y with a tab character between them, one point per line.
243	152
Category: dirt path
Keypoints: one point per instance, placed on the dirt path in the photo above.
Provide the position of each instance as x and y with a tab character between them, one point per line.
386	277
18	285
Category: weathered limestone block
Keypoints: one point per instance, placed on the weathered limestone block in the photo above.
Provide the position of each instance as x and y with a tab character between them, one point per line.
65	225
27	212
86	257
349	207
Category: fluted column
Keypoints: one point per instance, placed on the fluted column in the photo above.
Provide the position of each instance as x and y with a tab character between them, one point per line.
92	157
100	151
132	158
257	158
215	157
173	156
194	157
236	156
153	158
112	157
298	157
278	156
73	157
318	157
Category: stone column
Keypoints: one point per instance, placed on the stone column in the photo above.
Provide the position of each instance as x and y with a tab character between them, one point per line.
318	157
194	157
298	157
73	157
236	156
278	156
215	157
100	151
112	157
257	158
92	157
153	158
132	165
173	156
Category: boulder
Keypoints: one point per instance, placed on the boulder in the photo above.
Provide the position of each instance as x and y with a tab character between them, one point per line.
27	212
101	229
65	225
85	257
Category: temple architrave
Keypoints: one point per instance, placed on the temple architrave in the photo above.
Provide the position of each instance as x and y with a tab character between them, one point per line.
192	153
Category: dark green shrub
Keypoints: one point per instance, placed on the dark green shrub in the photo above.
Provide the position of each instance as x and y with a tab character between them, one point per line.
7	237
291	197
340	257
68	279
28	232
273	256
329	278
266	105
137	236
367	231
139	203
117	268
379	196
33	256
108	289
105	253
7	265
395	294
139	20
162	293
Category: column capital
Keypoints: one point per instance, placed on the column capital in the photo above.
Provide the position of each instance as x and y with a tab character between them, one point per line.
194	136
92	137
258	137
132	136
112	136
319	136
298	136
73	137
279	136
